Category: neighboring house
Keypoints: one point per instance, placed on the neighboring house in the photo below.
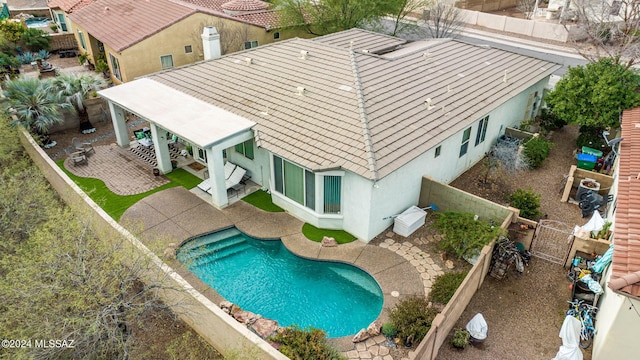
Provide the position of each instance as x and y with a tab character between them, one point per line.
618	320
136	38
37	8
60	9
340	128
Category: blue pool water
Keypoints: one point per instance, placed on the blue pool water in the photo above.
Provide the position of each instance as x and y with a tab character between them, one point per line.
263	277
37	22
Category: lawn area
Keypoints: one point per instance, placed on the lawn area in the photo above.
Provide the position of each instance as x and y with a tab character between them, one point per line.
115	205
315	234
262	200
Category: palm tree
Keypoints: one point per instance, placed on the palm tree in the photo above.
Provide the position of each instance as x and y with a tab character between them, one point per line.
35	104
76	89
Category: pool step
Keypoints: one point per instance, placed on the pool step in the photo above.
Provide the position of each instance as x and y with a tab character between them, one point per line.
210	238
194	252
367	285
220	254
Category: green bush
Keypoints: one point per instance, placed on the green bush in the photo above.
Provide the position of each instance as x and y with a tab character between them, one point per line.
389	330
462	234
412	318
444	286
590	137
460	338
536	150
548	121
527	201
299	344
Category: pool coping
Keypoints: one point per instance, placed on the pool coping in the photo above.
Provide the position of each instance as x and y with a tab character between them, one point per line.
168	218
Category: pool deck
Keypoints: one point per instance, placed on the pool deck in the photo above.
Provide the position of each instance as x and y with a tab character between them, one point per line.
175	215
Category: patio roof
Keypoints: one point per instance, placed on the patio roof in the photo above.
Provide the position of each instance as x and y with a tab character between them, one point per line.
187	117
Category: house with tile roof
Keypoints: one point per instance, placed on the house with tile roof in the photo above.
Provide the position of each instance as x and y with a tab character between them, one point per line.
618	320
340	128
136	38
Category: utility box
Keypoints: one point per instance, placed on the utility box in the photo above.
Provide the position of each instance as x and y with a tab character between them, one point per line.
409	221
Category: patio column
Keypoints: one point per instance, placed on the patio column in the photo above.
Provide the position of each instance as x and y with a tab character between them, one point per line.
159	136
215	163
119	124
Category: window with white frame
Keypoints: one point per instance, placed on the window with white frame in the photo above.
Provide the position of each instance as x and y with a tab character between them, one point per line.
166	61
302	186
438	151
62	22
250	44
465	142
115	67
482	130
82	41
246	149
276	35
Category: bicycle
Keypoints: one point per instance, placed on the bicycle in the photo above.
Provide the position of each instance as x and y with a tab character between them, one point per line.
585	313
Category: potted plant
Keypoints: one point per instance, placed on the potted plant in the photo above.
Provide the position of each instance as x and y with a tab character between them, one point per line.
460	338
174	164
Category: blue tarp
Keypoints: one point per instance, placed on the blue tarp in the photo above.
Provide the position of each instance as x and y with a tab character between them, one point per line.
4	13
603	261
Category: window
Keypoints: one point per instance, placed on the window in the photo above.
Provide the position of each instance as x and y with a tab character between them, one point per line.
246	149
438	149
81	37
115	67
250	44
482	130
276	35
465	142
62	22
299	185
166	61
188	49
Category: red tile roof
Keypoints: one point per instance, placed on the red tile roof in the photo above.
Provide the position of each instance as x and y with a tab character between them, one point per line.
245	5
69	6
626	250
265	18
123	23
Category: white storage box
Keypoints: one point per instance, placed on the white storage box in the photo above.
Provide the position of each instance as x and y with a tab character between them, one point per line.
409	221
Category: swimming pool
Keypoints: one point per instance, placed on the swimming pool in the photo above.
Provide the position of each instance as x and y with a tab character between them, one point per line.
37	22
263	277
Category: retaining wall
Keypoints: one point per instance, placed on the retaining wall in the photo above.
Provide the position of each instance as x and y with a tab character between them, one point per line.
216	327
448	198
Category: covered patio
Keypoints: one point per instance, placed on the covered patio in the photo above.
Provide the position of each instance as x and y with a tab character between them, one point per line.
172	115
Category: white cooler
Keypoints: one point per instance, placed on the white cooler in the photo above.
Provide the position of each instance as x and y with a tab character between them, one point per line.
409	221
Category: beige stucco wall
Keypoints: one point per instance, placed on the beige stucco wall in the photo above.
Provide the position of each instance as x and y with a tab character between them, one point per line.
144	57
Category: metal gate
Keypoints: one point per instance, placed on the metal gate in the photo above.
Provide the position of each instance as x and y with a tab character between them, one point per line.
552	241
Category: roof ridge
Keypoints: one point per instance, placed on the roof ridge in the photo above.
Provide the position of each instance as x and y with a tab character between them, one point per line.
371	158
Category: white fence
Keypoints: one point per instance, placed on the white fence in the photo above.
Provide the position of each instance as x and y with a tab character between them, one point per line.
533	28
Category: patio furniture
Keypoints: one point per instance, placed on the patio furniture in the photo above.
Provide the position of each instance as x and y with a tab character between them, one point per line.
235	178
143	136
229	168
84	147
76	157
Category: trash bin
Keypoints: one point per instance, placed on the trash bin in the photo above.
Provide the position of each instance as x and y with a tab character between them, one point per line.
590	151
586	161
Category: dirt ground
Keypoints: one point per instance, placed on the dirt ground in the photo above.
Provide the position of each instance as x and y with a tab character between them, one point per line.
524	314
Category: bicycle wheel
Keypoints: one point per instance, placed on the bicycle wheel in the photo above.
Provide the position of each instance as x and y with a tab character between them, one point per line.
586	339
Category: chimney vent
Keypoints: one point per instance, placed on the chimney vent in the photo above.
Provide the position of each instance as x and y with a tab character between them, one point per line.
211	43
303	54
300	90
248	61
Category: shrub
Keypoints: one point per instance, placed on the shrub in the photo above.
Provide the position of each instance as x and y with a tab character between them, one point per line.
527	201
412	318
43	54
591	137
26	58
444	286
389	330
305	344
548	121
460	338
35	39
462	234
536	150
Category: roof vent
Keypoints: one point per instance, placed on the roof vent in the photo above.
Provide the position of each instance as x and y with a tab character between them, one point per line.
427	102
351	45
303	54
426	55
248	61
504	79
266	111
449	89
300	90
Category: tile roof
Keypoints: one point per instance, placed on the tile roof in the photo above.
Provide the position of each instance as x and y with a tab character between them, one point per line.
69	6
362	40
340	107
626	250
17	5
266	18
123	23
245	5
